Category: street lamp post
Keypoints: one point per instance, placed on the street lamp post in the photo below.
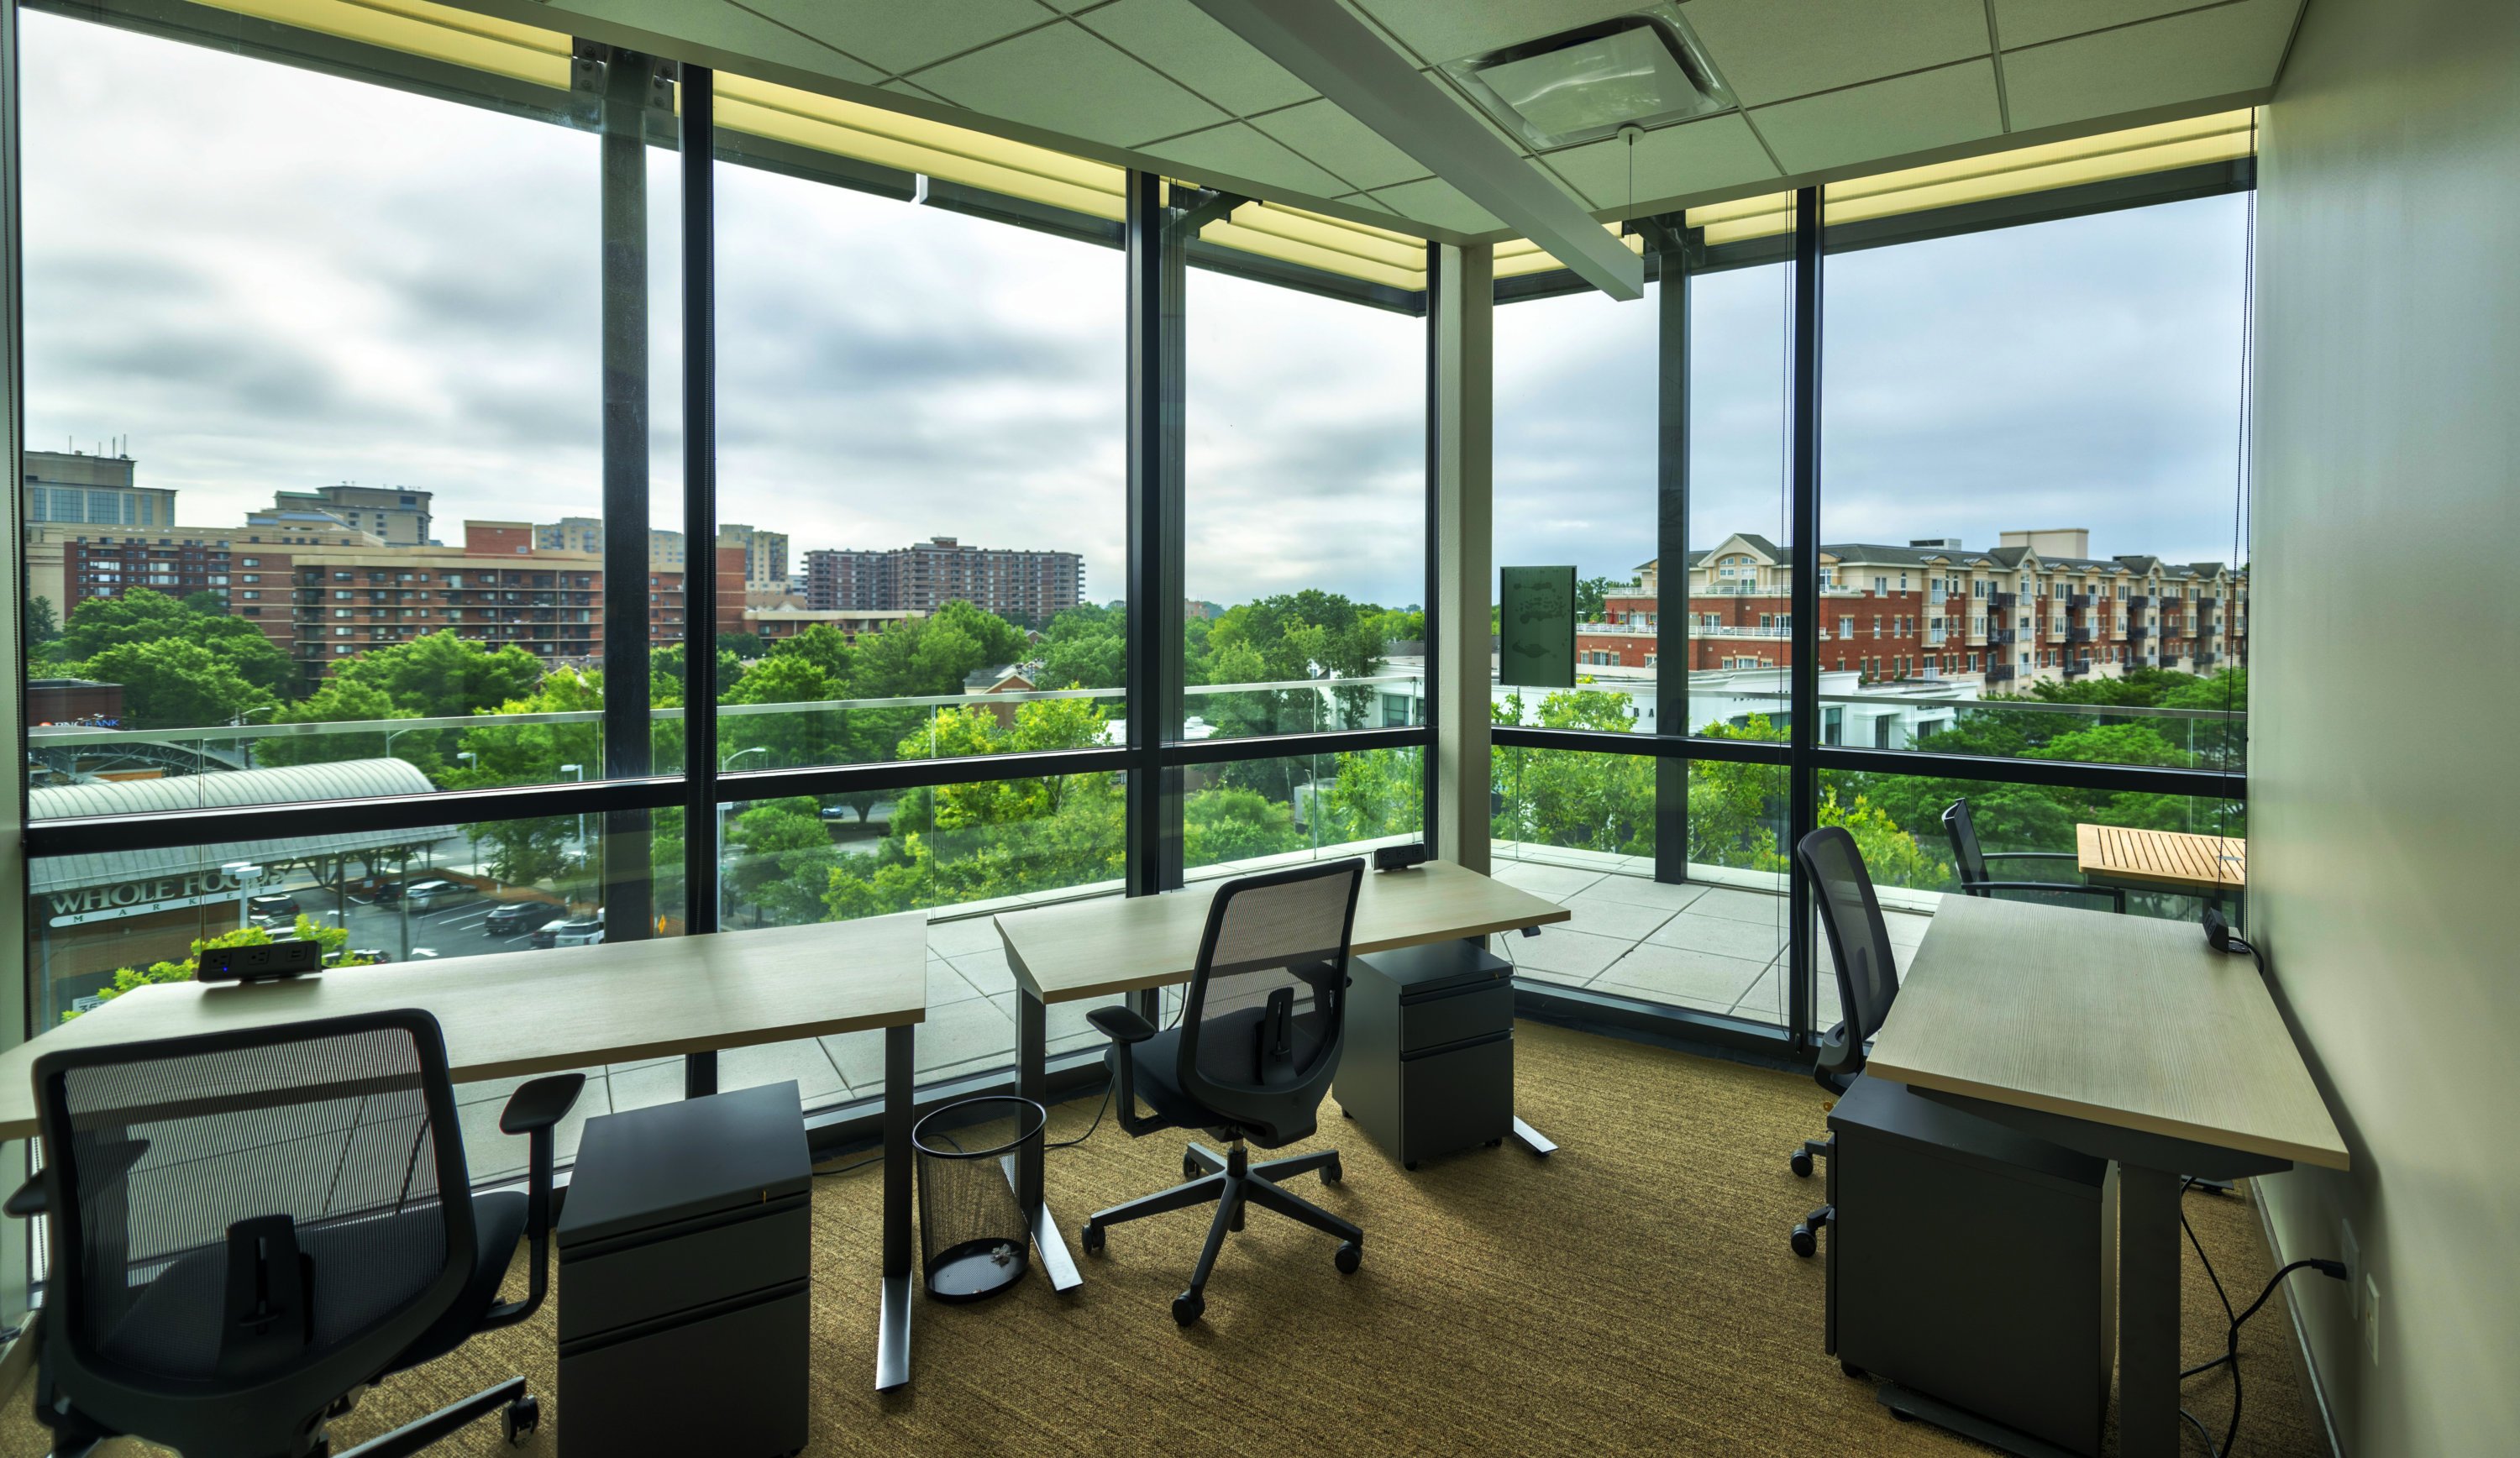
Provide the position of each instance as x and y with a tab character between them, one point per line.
472	829
245	745
723	766
247	876
578	773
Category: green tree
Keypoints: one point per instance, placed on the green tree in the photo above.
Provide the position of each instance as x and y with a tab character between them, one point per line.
779	861
823	646
43	624
795	737
441	675
345	701
1593	596
97	625
1231	822
1085	648
175	683
931	655
333	940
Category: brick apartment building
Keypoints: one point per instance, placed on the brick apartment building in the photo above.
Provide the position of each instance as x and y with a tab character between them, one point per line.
1013	583
2038	606
496	590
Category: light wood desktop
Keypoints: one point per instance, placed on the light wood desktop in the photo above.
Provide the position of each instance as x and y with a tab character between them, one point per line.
2126	1037
522	1013
1115	944
2161	860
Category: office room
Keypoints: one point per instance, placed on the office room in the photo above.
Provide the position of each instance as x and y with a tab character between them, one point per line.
1175	725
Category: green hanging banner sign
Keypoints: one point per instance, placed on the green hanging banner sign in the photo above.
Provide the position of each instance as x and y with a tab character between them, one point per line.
1536	627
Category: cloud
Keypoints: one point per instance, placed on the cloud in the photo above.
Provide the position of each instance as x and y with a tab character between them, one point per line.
271	278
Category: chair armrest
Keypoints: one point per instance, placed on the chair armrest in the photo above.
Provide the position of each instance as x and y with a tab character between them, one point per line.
541	1104
29	1201
1121	1025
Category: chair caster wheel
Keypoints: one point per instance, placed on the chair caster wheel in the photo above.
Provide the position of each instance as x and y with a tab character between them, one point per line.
1091	1238
520	1418
1903	1416
1804	1241
1410	1165
1344	1114
1332	1173
1186	1308
1189	1169
1802	1164
1852	1370
1496	1144
1349	1254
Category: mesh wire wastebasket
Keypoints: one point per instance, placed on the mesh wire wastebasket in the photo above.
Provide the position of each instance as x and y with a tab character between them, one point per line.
973	1238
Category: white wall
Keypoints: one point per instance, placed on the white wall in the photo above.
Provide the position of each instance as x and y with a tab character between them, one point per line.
2385	845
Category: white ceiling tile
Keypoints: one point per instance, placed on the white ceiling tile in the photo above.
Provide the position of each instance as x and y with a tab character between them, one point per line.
1769	50
901	38
1884	119
730	28
1177	39
2180	58
1340	145
2026	22
1693	157
1441	30
1434	202
1070	81
1236	153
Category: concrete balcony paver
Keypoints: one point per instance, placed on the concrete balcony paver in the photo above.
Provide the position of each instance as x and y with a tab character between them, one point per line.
1607	916
1572	954
1694	931
1657	972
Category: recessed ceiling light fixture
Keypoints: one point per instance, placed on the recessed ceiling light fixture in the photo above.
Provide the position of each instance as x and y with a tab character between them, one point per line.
1580	85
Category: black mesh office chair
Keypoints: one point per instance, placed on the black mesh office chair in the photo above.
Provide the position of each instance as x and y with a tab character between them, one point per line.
1976	881
1868	981
248	1229
1259	1038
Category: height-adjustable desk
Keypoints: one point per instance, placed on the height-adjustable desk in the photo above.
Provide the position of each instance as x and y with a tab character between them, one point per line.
517	1014
1113	945
2128	1039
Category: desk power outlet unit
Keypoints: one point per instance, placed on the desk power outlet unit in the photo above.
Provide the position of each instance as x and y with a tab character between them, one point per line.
266	962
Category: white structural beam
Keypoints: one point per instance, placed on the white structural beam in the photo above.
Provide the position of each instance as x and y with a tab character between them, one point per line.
1340	57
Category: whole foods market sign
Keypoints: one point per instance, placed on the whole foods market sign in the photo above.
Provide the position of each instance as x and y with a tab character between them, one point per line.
133	898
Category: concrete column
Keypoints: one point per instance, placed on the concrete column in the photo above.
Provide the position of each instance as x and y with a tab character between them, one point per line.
1464	391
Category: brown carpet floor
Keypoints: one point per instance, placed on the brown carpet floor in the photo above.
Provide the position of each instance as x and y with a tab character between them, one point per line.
1632	1294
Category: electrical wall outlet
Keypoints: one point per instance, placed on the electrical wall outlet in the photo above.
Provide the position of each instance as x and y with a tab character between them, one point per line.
2351	1250
2371	1316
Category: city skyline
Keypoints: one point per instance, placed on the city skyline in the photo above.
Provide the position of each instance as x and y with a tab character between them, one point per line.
258	306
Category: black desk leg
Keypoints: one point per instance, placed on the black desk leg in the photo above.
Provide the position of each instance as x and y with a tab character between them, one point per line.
892	1328
1032	1080
2147	1312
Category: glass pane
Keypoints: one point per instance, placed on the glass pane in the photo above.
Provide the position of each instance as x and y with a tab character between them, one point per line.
1576	474
1255	814
1741	575
1305	554
312	503
1579	828
964	852
2024	833
102	924
2033	491
922	461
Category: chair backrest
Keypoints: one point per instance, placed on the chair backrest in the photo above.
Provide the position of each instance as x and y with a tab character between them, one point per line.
1965	854
1266	1011
1868	976
246	1225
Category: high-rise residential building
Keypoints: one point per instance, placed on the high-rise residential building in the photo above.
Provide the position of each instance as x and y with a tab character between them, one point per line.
397	515
586	534
75	487
1013	583
2038	606
68	564
765	555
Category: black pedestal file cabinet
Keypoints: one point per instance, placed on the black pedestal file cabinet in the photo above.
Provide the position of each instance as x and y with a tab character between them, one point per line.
1973	1268
684	1250
1428	1066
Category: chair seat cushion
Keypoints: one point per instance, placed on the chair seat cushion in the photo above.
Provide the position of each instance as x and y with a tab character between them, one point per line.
1157	1073
498	1223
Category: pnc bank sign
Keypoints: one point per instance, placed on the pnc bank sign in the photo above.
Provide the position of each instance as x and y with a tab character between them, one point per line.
131	898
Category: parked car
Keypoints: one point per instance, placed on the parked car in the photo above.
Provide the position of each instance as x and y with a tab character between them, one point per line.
365	954
576	931
282	904
275	924
436	896
521	916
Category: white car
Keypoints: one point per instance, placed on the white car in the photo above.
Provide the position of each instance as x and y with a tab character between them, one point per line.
433	895
585	931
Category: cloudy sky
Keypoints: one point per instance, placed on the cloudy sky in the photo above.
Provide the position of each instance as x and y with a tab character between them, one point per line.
271	280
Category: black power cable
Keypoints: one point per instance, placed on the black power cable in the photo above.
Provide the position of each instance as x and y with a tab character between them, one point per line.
2230	1357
